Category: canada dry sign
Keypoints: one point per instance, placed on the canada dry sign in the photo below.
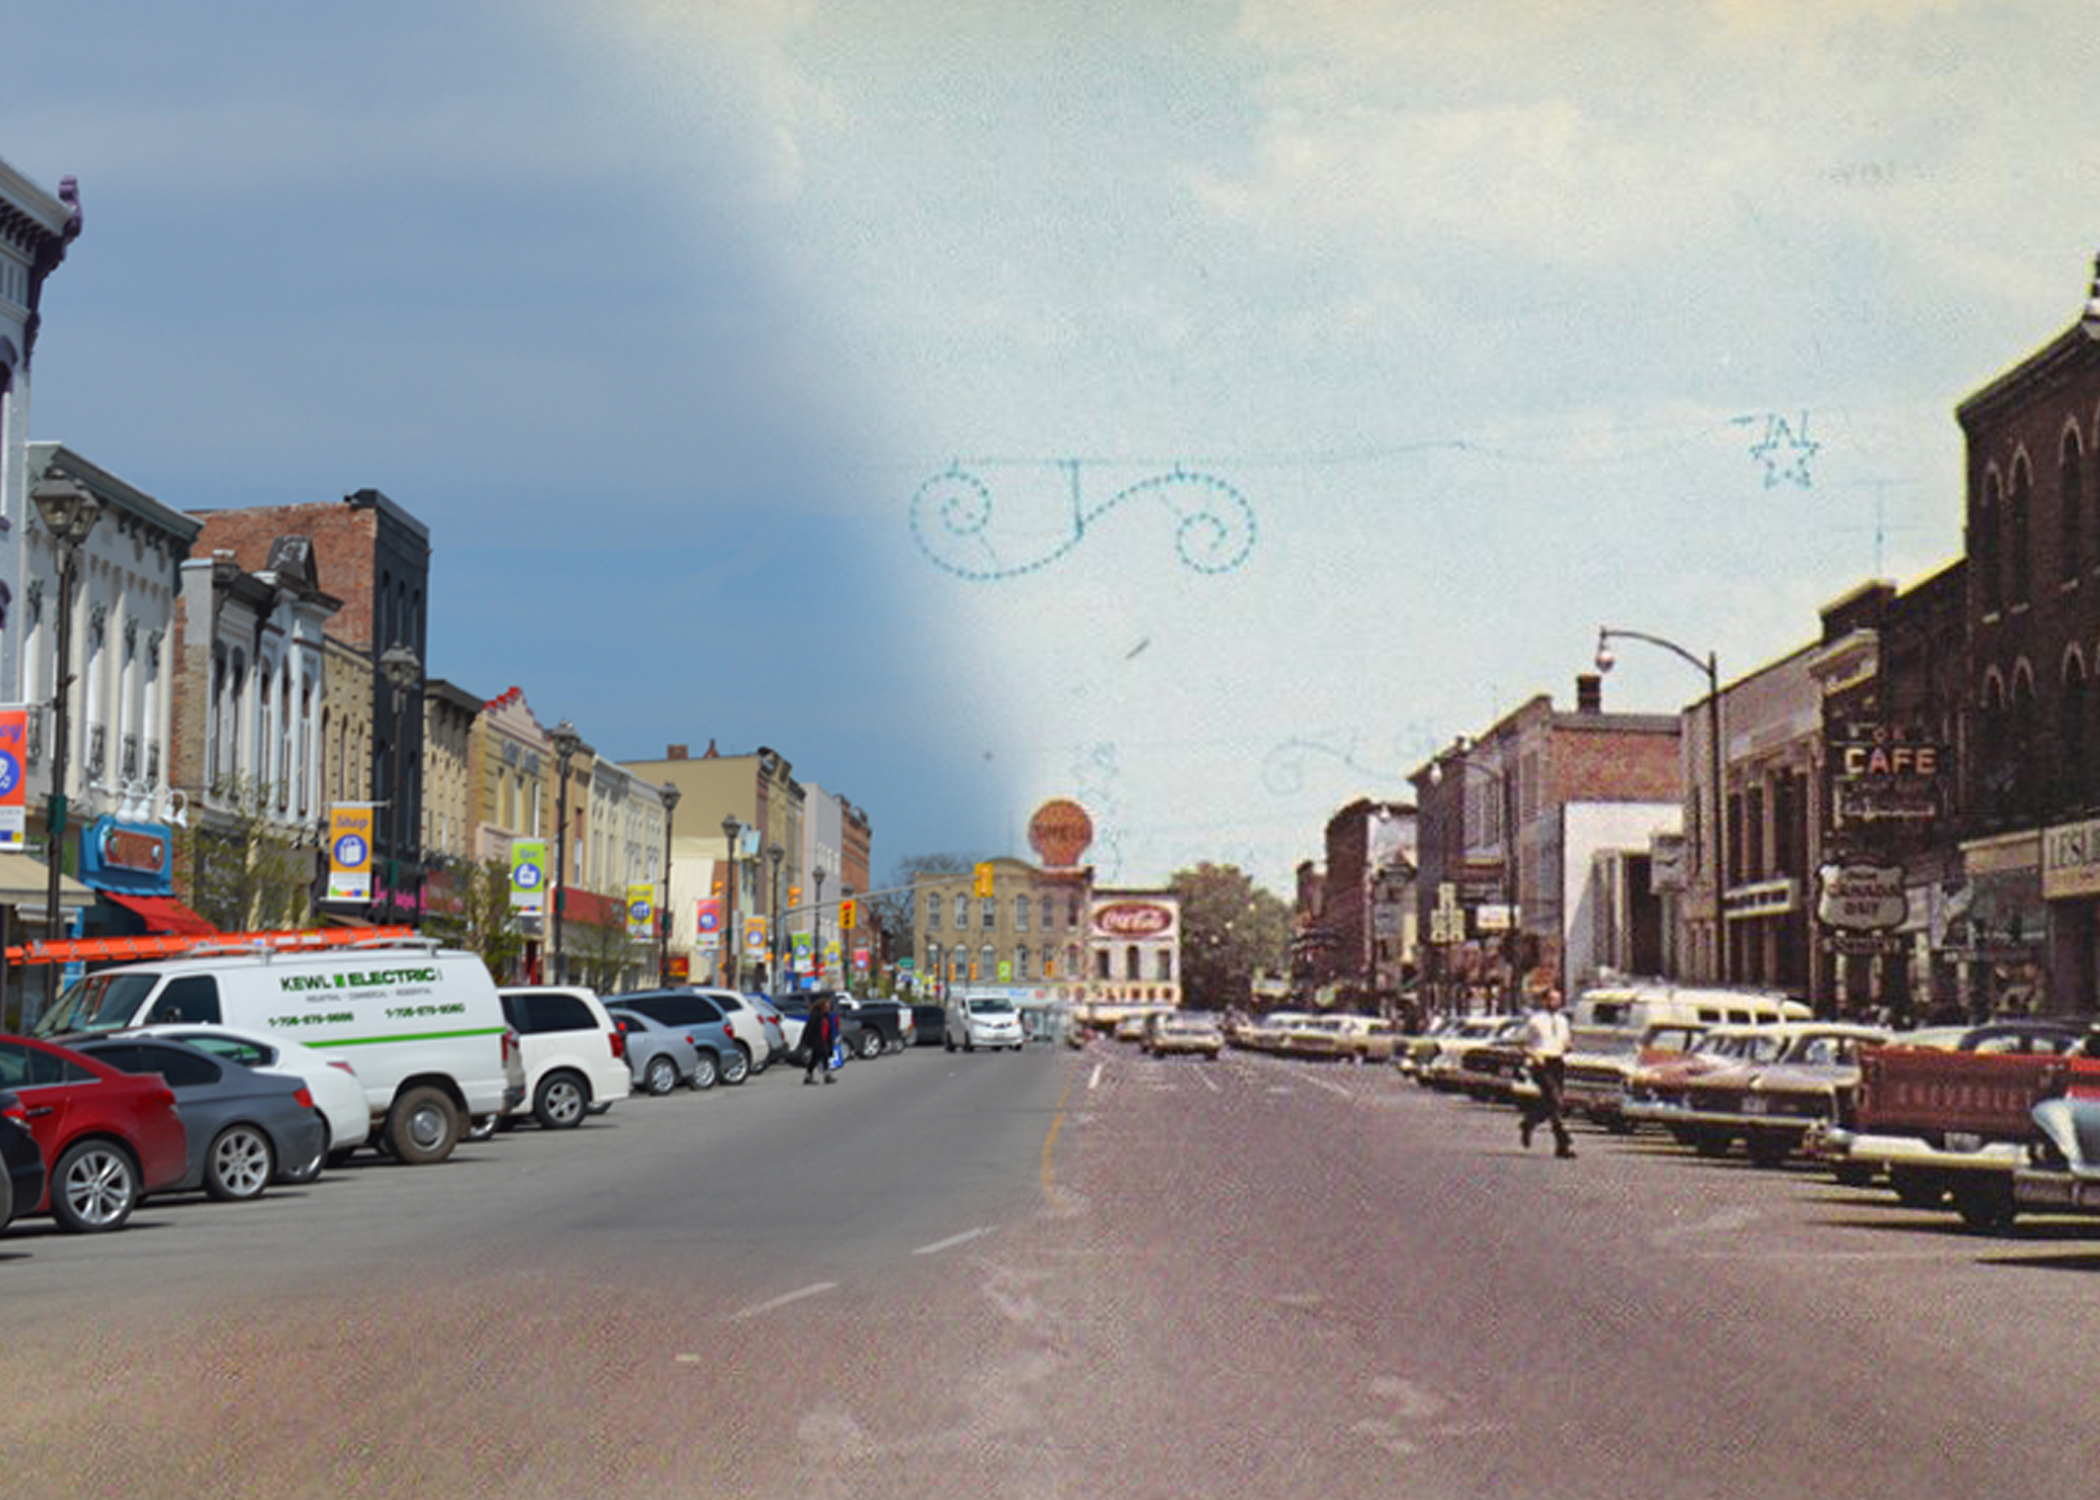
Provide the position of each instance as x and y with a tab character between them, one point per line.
1861	898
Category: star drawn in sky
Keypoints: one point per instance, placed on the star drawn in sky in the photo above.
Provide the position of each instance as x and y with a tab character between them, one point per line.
1785	451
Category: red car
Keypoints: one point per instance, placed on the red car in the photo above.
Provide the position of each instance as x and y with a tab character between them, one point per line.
108	1137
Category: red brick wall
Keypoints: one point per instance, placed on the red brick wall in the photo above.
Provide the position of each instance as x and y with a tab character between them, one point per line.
345	542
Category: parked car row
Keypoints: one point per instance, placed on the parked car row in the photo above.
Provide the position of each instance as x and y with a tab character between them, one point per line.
1332	1035
226	1071
1985	1121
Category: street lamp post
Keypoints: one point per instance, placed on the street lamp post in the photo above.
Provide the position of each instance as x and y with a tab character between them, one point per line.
566	742
403	669
732	962
69	511
1463	749
776	854
671	794
1711	666
816	923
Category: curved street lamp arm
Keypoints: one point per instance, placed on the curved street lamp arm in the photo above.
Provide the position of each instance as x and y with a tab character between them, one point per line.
1708	664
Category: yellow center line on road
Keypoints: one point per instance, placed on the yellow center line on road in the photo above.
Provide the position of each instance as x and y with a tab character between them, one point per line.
1049	1168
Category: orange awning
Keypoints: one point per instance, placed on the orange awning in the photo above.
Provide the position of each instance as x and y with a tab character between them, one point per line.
164	914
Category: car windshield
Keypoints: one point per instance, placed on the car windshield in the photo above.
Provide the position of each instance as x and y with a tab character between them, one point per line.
100	1002
991	1007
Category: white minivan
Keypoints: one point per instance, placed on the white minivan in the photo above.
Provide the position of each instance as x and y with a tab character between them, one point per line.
422	1025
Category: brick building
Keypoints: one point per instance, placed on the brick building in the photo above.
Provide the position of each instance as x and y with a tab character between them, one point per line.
1351	932
2031	779
1509	826
375	557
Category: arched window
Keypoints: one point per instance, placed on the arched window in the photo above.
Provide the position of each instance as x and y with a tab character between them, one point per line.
2070	500
1983	546
2071	714
2018	514
2020	726
1132	968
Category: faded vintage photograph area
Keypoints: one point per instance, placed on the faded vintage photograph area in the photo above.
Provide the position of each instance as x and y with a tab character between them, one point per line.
1385	710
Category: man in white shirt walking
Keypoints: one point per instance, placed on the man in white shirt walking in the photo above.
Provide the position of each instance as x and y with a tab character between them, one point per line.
1546	1040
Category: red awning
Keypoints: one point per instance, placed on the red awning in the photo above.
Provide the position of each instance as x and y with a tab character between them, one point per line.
164	914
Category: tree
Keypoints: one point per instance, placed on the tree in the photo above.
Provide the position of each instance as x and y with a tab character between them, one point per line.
244	872
1231	930
892	912
481	920
599	953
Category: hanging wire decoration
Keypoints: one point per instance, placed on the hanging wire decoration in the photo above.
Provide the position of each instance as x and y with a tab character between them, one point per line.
1784	450
951	521
1283	770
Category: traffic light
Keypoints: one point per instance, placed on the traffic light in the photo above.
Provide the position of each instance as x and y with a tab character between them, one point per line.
846	914
984	879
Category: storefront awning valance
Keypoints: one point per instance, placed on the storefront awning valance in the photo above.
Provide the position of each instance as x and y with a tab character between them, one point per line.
164	914
26	881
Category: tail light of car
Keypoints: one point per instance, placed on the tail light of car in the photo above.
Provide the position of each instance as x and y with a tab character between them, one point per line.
510	1046
161	1097
729	1028
17	1112
304	1097
618	1041
337	1062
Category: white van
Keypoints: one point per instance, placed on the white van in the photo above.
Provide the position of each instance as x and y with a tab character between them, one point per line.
422	1025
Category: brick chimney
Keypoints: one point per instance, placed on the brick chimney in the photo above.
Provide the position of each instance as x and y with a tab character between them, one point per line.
677	752
1589	693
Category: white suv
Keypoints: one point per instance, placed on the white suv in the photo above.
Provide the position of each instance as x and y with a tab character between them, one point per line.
982	1021
575	1058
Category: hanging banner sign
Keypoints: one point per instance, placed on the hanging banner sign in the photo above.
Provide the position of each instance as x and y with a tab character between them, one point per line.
641	911
350	853
528	877
799	944
754	937
14	785
861	958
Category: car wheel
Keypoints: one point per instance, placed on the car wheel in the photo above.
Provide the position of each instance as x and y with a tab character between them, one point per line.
968	1045
871	1044
1916	1189
736	1067
1769	1151
237	1166
423	1126
661	1076
705	1071
1987	1207
94	1187
1711	1142
1853	1173
560	1101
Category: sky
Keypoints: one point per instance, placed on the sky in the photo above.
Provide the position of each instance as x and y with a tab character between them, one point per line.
1204	410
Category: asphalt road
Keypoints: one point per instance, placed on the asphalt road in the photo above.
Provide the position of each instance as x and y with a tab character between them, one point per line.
1060	1274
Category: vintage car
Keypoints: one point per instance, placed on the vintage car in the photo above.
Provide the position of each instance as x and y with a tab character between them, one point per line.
1656	1093
2063	1174
1490	1038
1772	1105
1952	1123
1594	1082
1610	1026
1414	1052
1172	1032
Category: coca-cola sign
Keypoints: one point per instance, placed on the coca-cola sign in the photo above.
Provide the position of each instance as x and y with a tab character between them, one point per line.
1134	919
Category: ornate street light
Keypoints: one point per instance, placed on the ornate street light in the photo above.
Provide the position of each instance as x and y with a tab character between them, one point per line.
1711	666
732	961
566	742
816	924
776	854
403	669
670	794
69	511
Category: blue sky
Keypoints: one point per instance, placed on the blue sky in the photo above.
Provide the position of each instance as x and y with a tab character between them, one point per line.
1501	321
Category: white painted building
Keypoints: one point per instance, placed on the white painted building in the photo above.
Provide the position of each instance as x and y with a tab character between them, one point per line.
35	229
120	746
